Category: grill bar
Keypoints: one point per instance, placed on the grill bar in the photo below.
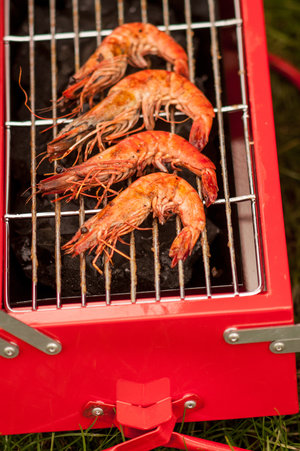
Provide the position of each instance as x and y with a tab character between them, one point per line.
107	266
172	127
51	214
98	21
54	115
190	52
155	222
44	122
81	200
133	269
245	118
33	155
132	253
93	34
155	233
189	39
8	147
120	12
144	10
217	82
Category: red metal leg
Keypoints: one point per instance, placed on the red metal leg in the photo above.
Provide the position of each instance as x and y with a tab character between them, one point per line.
148	441
147	416
186	442
160	437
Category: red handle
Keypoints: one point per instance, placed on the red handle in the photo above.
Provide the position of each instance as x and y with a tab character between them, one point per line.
285	68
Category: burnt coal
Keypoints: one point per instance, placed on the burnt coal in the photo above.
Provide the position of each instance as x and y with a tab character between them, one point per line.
20	165
121	278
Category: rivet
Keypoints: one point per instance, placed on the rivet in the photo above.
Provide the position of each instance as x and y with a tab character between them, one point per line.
279	346
97	411
10	351
52	348
190	404
233	337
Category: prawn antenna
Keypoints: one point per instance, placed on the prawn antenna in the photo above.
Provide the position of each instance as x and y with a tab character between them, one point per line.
114	249
172	120
24	194
136	227
41	161
31	111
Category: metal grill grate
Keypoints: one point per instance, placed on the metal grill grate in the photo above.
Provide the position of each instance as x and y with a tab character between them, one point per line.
226	202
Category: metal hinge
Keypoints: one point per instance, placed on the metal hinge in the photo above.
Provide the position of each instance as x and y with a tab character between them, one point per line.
26	333
284	339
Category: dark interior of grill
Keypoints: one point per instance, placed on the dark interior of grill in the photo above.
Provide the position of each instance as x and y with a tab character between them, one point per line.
20	272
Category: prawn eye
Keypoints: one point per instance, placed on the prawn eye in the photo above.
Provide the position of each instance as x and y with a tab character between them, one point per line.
84	230
72	80
60	169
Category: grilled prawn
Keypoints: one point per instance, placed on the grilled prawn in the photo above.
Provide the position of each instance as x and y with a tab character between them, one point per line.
132	155
128	43
164	195
145	91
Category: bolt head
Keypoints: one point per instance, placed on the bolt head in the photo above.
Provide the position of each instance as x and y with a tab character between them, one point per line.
10	351
279	346
190	404
52	348
97	411
233	337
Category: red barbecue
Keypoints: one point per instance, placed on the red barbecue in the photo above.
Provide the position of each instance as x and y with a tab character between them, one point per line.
217	342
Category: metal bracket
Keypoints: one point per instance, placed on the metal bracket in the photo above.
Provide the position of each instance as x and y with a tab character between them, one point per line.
284	339
147	415
25	333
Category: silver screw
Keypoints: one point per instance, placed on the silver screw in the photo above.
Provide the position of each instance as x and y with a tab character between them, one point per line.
52	348
233	337
97	411
191	404
279	346
10	351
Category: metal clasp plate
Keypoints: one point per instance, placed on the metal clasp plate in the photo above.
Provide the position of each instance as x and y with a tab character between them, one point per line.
25	333
284	339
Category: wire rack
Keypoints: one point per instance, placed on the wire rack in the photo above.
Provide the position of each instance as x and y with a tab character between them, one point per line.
226	201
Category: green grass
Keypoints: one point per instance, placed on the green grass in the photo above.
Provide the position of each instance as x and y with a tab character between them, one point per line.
259	434
264	434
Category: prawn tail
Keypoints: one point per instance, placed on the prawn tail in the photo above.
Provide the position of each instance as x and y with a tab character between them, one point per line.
200	131
183	245
209	186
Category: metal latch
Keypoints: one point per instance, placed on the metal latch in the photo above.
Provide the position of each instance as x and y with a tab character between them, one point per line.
284	339
25	333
